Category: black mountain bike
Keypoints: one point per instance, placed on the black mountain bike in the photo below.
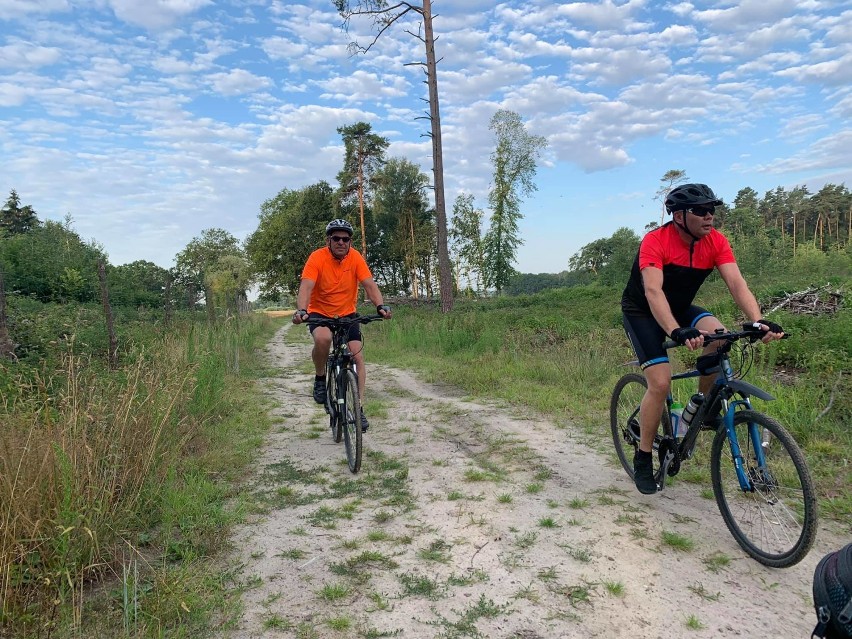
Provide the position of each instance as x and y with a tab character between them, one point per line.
342	402
760	479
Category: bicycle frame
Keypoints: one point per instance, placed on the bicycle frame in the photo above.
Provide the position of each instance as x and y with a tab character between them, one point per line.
719	401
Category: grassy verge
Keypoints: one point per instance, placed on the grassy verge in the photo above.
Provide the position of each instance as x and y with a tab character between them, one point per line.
118	486
561	352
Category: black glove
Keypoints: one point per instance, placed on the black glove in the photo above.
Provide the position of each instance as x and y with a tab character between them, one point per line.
301	314
773	327
680	335
382	307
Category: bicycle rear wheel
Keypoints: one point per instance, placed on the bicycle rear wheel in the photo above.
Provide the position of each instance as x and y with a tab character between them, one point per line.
775	519
350	417
624	420
331	405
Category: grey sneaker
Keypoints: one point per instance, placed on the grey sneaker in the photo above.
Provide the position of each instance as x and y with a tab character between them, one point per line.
364	423
643	474
319	390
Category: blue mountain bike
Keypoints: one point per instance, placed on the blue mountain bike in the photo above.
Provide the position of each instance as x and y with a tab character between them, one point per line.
760	479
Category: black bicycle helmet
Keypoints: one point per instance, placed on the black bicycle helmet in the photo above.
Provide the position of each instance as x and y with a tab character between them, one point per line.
339	225
688	195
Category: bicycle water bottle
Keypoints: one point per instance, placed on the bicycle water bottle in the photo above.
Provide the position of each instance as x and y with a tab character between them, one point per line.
676	412
691	408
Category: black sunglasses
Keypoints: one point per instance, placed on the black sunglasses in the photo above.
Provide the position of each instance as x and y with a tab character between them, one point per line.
701	211
339	238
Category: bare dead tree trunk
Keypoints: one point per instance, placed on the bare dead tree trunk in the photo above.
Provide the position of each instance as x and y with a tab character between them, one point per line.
445	275
112	355
167	305
7	348
361	206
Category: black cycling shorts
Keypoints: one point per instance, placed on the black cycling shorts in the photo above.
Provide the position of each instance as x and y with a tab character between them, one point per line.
354	328
647	337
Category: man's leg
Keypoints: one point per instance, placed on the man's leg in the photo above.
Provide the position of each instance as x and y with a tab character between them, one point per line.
319	355
658	377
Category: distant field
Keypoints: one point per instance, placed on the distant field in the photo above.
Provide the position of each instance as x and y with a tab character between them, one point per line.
278	313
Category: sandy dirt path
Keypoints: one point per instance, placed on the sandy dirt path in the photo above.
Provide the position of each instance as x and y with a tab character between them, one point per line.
472	519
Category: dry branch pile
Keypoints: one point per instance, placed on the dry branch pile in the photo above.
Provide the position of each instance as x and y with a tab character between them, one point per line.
818	300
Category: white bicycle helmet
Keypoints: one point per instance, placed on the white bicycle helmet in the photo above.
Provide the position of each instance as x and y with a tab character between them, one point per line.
339	225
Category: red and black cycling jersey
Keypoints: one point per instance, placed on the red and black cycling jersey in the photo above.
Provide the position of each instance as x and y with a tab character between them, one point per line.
685	266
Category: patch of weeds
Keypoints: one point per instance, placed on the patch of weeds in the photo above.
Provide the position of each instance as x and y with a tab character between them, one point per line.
339	623
582	555
276	622
630	520
607	500
699	589
374	633
543	473
477	474
355	566
615	588
378	535
547	574
465	625
271	599
682	519
534	488
552	503
638	533
437	551
257	554
292	553
379	602
383	516
414	585
694	623
311	434
578	503
324	517
504	498
333	592
576	595
306	630
526	540
677	541
299	531
529	593
455	495
443	463
707	493
717	562
350	544
548	522
574	522
474	577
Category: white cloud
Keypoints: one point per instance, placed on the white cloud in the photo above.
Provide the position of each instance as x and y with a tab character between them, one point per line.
237	82
23	55
155	15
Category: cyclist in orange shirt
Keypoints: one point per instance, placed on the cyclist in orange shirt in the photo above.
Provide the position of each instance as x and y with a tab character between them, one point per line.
329	288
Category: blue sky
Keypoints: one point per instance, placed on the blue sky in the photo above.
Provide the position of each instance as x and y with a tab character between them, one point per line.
150	120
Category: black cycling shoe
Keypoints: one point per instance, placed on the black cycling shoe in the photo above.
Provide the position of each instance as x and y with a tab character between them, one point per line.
364	423
643	473
319	390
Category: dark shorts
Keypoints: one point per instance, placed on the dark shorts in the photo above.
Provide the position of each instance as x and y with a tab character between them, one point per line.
647	337
354	329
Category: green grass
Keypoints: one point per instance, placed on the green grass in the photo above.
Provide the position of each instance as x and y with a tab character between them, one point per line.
677	541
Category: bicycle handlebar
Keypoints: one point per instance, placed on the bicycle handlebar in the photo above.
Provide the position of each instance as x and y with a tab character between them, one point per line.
751	333
339	322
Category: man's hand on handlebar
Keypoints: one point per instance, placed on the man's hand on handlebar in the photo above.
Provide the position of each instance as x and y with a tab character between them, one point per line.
300	316
384	310
690	337
772	330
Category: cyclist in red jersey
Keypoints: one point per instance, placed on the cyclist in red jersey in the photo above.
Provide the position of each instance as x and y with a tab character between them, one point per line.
672	263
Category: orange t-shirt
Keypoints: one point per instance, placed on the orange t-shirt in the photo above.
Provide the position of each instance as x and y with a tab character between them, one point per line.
336	281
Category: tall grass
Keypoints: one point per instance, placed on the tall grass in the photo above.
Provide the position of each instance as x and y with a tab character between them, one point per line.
101	469
560	352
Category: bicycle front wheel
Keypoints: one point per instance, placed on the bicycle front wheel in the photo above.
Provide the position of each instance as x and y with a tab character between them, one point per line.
624	420
774	518
350	417
331	405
